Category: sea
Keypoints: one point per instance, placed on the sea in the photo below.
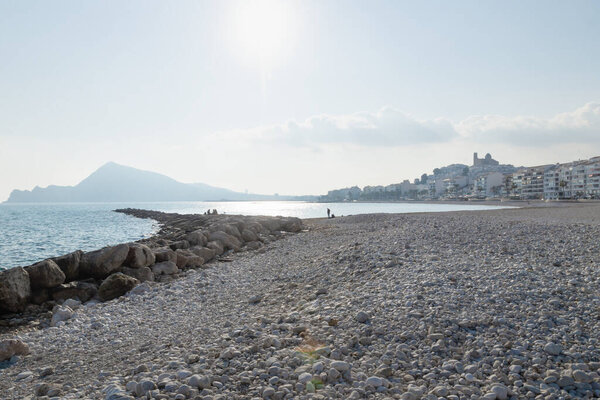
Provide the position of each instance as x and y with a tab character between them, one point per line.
31	232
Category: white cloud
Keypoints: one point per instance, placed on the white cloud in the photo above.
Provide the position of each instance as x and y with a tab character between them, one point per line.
390	127
387	127
579	126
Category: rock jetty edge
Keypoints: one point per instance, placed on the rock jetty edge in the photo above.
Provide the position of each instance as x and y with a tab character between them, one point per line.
183	242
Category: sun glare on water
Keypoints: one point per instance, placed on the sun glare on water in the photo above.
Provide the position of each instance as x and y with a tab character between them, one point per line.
263	31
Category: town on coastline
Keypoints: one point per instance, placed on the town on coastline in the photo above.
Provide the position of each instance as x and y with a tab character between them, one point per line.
487	179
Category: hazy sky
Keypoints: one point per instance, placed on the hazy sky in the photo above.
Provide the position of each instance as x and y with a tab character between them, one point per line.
293	97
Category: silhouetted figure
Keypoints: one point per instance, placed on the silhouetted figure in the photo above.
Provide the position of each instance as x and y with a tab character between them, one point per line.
328	213
215	211
332	215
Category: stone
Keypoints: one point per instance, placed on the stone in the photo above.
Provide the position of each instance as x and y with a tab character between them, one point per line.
100	263
199	381
229	242
72	303
45	274
304	377
184	390
143	387
24	375
194	262
292	224
139	256
553	349
69	264
116	285
83	291
15	290
255	245
268	392
181	244
229	229
376	381
60	314
46	371
165	268
341	366
187	259
142	274
564	381
196	238
362	317
249	236
441	391
42	389
255	299
204	252
12	347
582	376
217	247
164	254
501	392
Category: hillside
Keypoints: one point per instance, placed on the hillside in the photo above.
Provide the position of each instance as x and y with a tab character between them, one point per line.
117	183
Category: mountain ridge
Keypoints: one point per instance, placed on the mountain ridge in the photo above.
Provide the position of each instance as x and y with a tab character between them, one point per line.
114	182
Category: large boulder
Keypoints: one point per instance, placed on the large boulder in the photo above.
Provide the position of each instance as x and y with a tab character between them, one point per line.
256	227
204	252
216	246
69	264
165	254
187	259
270	224
165	268
229	229
229	241
45	274
15	290
139	256
116	285
249	236
12	347
141	274
182	257
196	238
83	291
292	224
100	263
181	244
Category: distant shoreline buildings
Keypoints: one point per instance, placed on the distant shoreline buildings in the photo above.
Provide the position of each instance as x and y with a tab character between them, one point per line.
487	178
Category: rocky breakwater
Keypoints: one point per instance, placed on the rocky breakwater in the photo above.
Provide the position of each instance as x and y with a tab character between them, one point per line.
54	287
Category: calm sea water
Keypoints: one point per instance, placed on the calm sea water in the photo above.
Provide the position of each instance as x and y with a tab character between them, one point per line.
33	232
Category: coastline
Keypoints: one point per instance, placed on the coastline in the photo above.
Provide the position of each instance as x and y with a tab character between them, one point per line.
378	306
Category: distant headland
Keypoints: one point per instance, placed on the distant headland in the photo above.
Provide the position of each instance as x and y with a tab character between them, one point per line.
118	183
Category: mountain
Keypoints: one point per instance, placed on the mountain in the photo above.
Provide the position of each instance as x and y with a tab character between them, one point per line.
113	182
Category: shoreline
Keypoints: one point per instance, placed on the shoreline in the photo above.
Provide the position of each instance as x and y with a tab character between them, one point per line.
366	306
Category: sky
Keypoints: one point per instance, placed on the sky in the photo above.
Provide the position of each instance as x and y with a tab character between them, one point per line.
293	97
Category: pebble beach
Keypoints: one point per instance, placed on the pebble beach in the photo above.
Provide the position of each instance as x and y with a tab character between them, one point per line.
501	304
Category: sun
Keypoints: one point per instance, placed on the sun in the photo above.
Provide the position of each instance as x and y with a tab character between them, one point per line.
263	31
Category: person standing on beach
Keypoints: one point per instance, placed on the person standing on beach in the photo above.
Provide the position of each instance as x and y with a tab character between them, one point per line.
328	213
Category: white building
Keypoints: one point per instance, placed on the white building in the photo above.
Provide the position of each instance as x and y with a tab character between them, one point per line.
488	185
